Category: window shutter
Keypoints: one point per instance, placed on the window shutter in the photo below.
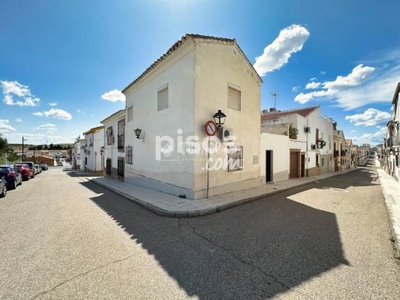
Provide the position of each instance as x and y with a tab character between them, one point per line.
234	98
162	99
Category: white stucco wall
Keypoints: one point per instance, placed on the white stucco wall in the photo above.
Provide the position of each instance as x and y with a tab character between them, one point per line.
279	144
111	151
94	162
219	66
177	72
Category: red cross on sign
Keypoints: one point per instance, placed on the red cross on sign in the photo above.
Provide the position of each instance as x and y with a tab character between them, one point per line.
211	128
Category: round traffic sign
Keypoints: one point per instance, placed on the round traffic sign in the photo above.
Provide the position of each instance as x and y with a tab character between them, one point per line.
211	128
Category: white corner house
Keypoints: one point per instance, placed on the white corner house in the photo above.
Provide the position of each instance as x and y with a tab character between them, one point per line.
169	104
76	155
310	147
393	138
114	145
94	142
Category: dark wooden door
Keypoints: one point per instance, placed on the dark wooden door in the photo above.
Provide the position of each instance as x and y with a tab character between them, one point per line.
294	165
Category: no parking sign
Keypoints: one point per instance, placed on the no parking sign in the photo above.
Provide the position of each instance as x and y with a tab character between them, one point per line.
211	128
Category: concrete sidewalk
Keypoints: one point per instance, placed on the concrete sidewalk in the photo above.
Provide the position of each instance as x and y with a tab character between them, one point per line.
391	191
173	206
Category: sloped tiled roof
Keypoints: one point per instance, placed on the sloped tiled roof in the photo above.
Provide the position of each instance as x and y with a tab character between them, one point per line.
93	130
178	44
274	115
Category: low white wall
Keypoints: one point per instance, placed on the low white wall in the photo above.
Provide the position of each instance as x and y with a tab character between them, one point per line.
279	144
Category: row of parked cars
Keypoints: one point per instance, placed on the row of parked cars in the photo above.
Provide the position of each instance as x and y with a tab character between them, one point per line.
12	175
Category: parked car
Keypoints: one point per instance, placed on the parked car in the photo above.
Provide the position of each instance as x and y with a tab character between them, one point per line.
44	167
38	169
3	188
24	169
12	176
31	165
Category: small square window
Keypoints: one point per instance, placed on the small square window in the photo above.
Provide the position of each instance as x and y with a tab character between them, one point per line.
234	98
130	113
162	99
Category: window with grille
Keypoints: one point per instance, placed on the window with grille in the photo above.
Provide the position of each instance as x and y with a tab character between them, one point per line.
121	134
235	158
162	99
234	98
128	155
121	166
108	166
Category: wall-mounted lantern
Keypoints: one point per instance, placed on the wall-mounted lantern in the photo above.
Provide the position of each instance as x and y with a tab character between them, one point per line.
138	133
219	118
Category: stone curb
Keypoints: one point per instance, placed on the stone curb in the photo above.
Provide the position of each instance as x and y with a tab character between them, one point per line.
209	210
389	200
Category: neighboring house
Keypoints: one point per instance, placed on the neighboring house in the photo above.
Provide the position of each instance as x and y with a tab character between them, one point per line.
171	102
393	138
339	149
349	154
93	147
274	155
114	145
309	148
76	155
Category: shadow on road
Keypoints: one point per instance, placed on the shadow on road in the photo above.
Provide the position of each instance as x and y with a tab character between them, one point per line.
253	251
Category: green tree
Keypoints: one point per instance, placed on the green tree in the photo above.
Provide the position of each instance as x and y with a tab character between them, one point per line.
12	156
3	143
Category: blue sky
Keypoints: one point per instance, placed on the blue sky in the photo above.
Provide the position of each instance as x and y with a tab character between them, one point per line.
63	63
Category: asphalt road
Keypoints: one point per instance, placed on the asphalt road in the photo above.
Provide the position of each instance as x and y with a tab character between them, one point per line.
63	237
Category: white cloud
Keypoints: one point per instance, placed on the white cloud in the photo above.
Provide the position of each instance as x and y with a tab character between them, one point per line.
290	40
295	89
370	117
80	112
355	78
304	98
113	96
50	127
313	85
371	138
53	104
340	87
322	73
313	79
13	89
18	120
5	127
55	113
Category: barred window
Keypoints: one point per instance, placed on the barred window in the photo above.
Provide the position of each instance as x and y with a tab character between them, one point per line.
128	155
235	158
121	163
108	166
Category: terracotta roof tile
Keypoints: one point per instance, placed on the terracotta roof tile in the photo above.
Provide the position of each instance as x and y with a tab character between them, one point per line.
274	115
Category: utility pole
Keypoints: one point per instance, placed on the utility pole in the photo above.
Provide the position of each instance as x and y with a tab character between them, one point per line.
22	155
